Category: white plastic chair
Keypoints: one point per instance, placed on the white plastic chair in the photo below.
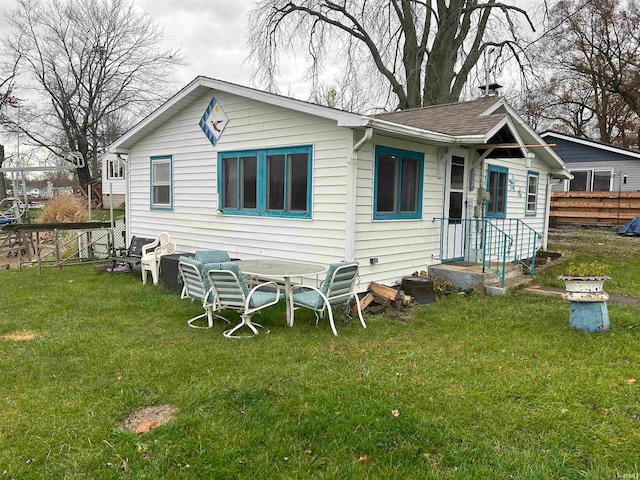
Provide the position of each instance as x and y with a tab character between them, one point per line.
232	293
151	254
337	289
196	286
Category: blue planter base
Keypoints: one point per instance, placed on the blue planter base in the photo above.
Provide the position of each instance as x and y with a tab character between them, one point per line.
589	316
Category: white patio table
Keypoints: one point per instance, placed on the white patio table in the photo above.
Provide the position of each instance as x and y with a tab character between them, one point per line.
281	269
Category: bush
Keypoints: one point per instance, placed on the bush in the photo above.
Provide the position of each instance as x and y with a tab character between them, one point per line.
64	208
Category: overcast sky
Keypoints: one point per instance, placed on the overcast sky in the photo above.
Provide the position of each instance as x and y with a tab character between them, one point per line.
211	35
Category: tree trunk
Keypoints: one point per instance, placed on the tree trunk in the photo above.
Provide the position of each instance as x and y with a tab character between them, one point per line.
3	178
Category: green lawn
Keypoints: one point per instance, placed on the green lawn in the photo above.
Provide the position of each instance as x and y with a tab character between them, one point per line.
621	253
485	387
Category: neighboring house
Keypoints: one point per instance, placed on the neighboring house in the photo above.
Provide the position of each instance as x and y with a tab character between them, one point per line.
595	166
113	180
222	166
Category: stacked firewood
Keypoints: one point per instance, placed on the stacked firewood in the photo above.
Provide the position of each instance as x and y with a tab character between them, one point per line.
380	297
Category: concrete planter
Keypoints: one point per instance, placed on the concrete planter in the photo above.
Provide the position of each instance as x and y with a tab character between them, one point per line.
584	289
588	299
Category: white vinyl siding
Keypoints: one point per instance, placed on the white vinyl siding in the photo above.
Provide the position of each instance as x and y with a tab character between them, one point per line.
117	185
195	222
401	246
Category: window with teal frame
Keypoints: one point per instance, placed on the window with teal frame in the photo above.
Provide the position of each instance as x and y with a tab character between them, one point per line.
161	180
497	188
397	184
531	206
273	182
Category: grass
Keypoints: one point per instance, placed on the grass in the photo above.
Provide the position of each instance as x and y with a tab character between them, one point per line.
620	253
485	388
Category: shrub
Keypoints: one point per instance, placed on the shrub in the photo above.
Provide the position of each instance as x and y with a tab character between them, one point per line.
587	269
64	208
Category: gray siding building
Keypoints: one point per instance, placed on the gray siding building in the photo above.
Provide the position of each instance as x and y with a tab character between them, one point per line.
595	166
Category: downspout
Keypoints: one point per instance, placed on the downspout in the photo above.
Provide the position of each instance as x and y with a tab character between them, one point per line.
127	196
351	198
547	209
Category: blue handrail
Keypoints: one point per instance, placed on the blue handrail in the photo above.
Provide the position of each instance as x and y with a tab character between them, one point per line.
466	239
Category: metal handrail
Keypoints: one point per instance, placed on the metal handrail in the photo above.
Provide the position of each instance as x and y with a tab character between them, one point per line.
525	243
480	235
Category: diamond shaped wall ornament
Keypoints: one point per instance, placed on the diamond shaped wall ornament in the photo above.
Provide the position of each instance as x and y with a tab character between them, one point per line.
213	121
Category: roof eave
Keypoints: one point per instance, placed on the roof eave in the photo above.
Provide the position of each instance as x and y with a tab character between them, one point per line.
435	137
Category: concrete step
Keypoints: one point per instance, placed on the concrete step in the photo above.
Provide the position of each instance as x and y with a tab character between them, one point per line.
468	276
511	284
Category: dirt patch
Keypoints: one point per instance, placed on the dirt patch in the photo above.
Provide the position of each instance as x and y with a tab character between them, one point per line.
23	336
147	418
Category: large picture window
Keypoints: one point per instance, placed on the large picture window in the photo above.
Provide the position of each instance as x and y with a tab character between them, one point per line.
161	183
270	182
532	193
497	188
398	184
590	181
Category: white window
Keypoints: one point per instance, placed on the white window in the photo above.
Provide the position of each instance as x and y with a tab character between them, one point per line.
532	193
590	180
115	169
161	183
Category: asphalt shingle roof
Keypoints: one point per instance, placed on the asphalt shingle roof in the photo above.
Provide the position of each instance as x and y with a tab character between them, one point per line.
462	118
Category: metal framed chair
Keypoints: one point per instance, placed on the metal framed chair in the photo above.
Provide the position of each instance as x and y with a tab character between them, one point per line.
337	289
151	254
196	286
232	293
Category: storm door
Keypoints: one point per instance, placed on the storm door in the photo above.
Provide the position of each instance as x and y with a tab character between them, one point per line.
455	229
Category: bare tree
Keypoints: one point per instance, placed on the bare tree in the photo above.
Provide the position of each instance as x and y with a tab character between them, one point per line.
7	100
591	71
91	61
421	51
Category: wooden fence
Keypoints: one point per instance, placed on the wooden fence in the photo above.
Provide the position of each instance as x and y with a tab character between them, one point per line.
601	208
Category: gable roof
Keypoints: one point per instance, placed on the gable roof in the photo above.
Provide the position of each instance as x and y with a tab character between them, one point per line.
591	143
459	124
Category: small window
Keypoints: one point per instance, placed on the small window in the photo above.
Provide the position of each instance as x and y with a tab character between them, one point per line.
115	169
274	182
398	184
161	183
581	181
602	181
532	193
497	188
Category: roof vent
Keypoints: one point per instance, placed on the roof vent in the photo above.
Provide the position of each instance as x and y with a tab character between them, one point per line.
490	90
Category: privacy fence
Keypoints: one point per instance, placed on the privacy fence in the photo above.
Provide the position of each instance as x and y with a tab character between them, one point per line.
589	208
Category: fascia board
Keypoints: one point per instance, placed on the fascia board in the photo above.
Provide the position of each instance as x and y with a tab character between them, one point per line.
493	107
158	113
516	118
589	143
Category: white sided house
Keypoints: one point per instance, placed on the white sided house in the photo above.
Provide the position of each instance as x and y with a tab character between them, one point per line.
223	166
114	186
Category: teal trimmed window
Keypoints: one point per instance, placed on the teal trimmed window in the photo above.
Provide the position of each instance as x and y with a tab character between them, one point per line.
531	206
273	182
161	197
397	184
497	188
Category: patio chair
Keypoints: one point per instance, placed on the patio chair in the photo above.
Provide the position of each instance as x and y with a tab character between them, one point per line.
232	293
337	289
151	254
196	286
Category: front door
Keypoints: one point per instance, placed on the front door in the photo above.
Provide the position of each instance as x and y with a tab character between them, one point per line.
454	230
